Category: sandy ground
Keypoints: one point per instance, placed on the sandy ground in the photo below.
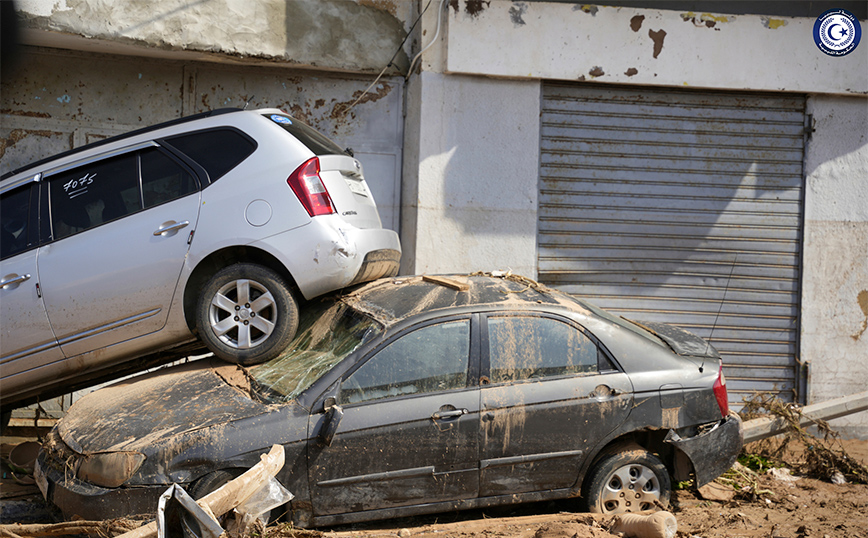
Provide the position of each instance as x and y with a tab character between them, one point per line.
781	509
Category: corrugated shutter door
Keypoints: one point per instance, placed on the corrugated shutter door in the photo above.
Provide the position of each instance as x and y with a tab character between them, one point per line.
683	207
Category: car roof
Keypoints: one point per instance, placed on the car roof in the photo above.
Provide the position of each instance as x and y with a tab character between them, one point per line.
393	300
116	138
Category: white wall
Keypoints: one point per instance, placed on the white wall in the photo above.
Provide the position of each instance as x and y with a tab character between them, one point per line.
834	337
644	46
473	206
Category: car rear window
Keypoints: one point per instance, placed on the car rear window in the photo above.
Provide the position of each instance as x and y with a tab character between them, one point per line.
217	150
315	141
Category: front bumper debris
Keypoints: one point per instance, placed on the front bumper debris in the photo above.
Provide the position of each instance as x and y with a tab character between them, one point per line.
77	498
711	452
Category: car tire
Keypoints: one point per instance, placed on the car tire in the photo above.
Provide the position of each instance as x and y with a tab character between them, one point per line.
629	481
246	314
207	484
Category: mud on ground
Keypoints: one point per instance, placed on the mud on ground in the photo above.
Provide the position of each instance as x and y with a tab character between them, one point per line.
768	508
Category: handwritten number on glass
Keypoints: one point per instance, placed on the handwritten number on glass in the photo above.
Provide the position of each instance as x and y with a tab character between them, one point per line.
76	187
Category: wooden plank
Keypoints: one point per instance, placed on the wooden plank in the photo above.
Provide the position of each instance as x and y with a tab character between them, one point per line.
762	428
448	282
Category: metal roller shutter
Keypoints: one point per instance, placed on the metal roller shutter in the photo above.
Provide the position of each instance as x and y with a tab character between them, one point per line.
683	207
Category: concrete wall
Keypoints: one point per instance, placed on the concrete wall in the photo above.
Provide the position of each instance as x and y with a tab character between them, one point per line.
474	206
834	337
342	35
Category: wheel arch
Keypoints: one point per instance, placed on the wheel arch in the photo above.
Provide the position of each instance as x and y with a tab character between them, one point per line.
225	257
647	439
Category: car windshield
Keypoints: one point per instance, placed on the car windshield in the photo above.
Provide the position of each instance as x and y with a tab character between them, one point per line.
327	334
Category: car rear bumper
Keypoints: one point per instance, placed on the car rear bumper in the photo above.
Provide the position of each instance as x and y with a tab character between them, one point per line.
713	451
93	503
328	254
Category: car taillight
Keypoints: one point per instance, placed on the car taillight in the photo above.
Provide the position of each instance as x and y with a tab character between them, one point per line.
308	187
720	394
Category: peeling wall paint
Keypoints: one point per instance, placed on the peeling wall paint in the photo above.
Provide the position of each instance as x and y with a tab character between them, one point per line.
702	50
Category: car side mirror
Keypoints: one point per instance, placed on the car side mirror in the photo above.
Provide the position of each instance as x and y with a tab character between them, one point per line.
333	415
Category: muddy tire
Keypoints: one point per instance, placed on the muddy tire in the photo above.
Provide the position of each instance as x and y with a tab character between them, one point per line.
246	314
629	481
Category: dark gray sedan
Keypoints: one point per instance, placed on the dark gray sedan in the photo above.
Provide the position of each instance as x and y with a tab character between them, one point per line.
416	395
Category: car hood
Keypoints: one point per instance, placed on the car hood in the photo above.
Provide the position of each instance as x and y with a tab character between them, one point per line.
141	412
682	342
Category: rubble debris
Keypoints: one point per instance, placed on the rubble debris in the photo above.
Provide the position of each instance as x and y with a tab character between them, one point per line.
825	453
657	525
231	494
112	527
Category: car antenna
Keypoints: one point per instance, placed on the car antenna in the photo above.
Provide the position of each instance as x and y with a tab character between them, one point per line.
248	102
719	309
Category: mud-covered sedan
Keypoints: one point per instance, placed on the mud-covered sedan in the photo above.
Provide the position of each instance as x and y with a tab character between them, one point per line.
416	395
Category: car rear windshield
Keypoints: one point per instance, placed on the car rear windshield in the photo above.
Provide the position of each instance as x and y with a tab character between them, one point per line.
623	322
315	141
327	334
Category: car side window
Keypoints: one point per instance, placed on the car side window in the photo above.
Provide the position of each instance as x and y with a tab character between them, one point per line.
217	150
163	179
15	221
531	347
430	359
91	195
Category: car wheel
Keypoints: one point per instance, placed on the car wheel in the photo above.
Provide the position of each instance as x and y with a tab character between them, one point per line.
246	314
630	481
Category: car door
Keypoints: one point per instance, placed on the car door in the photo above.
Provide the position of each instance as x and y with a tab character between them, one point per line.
120	228
553	394
26	340
408	434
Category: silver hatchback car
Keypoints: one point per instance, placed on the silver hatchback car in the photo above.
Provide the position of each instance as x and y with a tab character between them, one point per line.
207	229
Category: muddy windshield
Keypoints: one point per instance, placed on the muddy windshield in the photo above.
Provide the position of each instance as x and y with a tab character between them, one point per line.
327	333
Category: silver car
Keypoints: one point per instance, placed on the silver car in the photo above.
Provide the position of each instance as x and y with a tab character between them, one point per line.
214	226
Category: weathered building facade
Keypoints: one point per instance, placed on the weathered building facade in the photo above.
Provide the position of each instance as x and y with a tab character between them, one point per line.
706	168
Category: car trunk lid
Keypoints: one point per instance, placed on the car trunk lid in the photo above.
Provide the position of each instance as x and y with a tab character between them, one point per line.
344	178
682	342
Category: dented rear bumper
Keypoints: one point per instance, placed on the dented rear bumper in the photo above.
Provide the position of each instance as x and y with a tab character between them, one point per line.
713	451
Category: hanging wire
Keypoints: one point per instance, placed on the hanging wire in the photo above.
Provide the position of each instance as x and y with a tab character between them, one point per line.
400	47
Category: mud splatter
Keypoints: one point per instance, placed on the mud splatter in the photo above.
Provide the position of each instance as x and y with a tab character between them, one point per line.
597	71
587	8
773	24
862	299
474	7
657	37
632	71
516	14
636	22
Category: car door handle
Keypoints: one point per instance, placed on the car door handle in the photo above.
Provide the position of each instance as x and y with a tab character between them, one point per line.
167	227
18	279
440	415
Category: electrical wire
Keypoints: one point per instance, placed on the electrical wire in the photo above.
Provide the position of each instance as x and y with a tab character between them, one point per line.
433	40
400	47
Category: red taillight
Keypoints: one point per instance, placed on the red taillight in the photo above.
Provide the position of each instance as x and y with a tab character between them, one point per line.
720	394
309	188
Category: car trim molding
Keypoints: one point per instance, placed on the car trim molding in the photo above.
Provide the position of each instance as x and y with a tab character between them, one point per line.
378	477
108	326
107	155
516	460
30	351
23	181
